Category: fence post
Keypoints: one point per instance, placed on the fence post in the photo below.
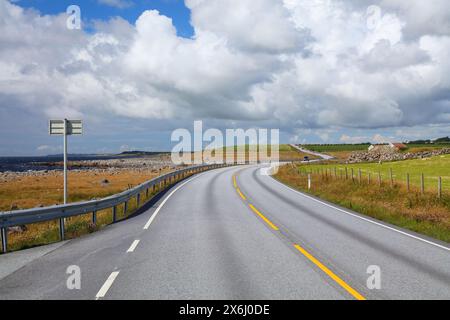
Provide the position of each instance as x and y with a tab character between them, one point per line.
359	176
346	173
309	181
368	178
440	187
391	177
4	236
407	182
353	175
422	183
335	172
379	179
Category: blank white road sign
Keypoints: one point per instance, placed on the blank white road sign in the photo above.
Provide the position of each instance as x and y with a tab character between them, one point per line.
56	127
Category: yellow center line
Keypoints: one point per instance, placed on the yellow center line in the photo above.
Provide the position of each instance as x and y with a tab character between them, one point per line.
241	194
274	227
234	181
310	257
330	273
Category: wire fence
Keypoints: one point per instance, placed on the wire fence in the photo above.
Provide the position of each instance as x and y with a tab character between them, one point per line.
413	182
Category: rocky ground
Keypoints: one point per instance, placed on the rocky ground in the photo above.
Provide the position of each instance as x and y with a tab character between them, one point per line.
387	154
144	164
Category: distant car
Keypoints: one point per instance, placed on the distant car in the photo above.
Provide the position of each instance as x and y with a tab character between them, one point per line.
306	158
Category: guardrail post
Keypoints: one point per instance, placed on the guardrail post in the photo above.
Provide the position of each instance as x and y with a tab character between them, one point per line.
125	208
94	217
4	236
138	199
114	213
146	193
61	229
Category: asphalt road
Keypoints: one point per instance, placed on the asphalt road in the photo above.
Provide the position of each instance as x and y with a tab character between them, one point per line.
233	233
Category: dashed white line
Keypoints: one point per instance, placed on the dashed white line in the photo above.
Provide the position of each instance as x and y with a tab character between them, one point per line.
104	289
149	222
133	246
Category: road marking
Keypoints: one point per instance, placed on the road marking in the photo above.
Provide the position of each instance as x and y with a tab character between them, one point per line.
241	194
150	221
274	227
310	257
104	289
330	273
133	246
362	218
234	182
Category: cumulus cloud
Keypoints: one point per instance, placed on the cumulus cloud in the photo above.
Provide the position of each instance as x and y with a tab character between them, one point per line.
291	64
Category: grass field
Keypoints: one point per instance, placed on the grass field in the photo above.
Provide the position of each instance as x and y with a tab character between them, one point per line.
422	213
336	147
29	192
432	168
286	152
343	151
32	191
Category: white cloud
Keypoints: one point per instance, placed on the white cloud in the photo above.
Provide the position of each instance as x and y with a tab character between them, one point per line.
291	64
353	139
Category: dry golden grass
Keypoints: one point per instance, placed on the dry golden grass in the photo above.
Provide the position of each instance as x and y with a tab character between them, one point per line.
29	192
421	213
32	191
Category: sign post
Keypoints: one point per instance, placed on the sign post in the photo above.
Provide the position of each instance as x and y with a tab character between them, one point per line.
65	127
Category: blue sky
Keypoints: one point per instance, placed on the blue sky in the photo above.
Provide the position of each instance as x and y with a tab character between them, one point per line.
132	9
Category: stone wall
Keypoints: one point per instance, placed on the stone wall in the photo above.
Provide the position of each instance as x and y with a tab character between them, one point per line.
387	154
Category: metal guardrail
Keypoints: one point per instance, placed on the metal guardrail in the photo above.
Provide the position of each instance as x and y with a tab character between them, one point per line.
28	216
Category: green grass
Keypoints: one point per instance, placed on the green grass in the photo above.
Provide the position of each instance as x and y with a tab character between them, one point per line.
429	145
282	147
336	147
432	168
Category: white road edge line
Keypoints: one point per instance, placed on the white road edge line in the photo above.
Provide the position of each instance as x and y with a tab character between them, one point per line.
150	221
133	246
104	289
362	218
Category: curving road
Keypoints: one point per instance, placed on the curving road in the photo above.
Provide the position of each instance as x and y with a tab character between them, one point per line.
233	233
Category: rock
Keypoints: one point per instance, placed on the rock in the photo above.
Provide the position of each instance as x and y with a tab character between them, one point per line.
385	155
17	229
